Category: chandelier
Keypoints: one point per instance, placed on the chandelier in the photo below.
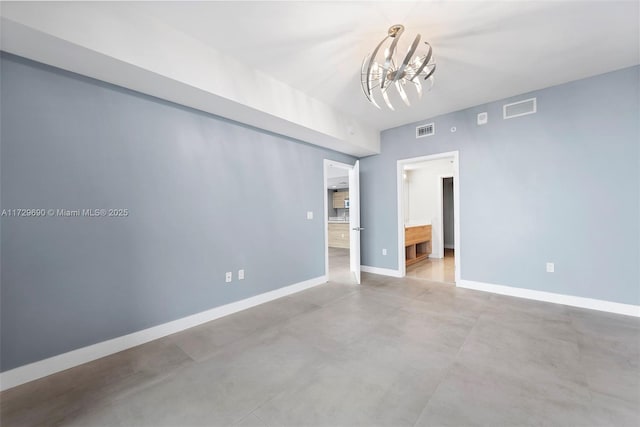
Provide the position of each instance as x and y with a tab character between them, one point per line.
388	71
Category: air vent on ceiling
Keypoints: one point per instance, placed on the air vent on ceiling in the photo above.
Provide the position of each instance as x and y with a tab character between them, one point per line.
425	130
520	108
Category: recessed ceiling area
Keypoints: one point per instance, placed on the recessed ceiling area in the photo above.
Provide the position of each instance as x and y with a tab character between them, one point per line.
293	68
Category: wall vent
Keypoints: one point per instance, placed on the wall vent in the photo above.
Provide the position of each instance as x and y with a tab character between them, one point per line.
425	130
520	108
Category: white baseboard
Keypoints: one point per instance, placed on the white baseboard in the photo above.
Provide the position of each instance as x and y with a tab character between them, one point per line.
590	303
42	368
381	271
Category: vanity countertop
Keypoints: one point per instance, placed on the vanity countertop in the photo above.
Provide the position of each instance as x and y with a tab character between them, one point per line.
416	224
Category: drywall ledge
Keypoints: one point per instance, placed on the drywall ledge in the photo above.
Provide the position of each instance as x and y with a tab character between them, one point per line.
590	303
153	58
61	362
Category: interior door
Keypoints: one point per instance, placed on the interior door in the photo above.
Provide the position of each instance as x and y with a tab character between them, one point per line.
354	220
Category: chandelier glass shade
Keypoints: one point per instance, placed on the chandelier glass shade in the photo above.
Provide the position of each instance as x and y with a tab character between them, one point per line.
381	69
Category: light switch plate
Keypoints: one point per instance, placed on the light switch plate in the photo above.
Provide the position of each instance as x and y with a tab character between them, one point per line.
228	276
309	215
240	274
551	267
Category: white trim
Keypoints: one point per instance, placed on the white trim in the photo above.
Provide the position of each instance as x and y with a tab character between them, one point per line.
590	303
402	268
456	206
58	363
325	183
456	219
504	109
380	271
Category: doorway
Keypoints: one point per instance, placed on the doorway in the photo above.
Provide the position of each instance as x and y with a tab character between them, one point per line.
428	218
342	222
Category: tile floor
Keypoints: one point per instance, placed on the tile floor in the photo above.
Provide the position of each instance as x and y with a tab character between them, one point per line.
339	266
391	352
437	270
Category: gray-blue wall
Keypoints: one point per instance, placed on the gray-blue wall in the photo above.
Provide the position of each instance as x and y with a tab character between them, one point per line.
205	196
562	185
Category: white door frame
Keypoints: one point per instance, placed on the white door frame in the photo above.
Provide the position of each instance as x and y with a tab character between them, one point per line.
456	208
327	164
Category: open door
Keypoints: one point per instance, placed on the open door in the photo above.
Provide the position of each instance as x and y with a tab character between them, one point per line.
354	220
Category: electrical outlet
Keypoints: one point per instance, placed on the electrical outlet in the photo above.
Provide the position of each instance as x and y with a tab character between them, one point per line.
384	252
551	267
240	274
228	277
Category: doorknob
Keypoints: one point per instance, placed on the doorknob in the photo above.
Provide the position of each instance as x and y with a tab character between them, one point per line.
358	228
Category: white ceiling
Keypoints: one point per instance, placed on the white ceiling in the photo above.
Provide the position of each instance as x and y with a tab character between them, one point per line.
485	50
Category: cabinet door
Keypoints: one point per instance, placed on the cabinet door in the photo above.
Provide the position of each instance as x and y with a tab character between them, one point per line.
338	199
339	235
